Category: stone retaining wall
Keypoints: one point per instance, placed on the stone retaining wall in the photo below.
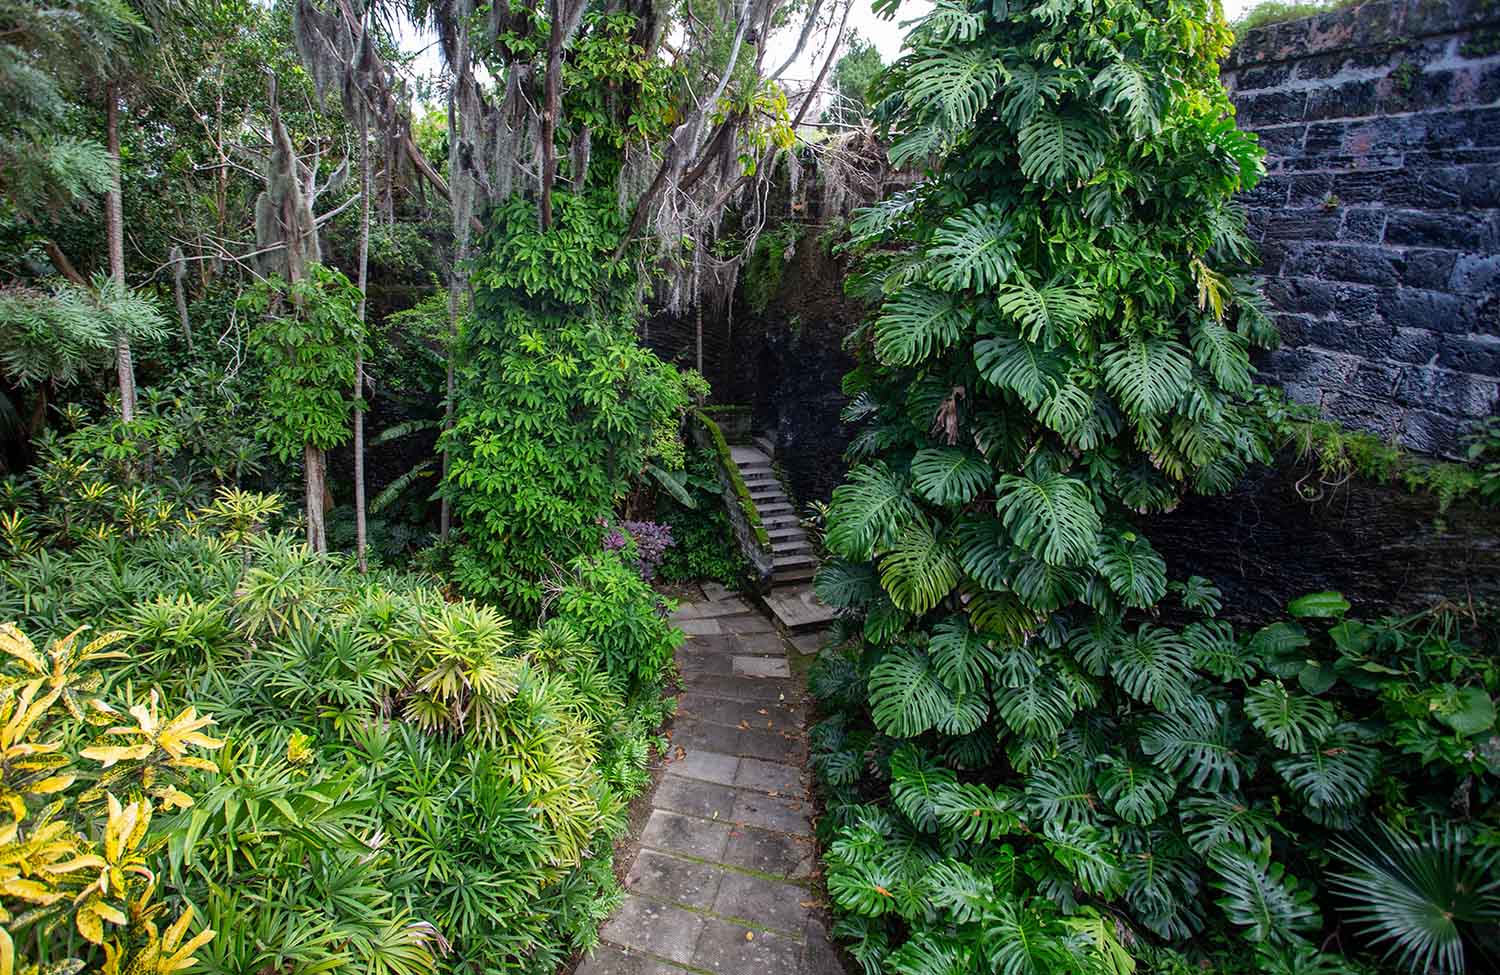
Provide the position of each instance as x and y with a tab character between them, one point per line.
1379	218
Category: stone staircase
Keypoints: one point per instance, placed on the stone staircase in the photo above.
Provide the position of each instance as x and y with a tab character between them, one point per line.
794	560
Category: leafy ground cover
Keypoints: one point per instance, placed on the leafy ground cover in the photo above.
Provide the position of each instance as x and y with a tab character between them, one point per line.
395	782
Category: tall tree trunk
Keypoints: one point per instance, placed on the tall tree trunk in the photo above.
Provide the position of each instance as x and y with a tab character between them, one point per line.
313	461
445	511
114	229
179	289
359	356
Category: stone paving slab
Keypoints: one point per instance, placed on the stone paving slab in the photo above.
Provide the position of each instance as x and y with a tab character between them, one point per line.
772	746
778	854
698	627
765	716
747	624
733	644
711	664
744	690
658	929
609	960
720	883
781	814
725	950
772	777
761	643
759	667
688	835
706	800
706	765
688	883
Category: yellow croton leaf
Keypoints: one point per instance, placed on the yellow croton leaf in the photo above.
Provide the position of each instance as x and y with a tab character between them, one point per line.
110	754
18	645
51	784
182	952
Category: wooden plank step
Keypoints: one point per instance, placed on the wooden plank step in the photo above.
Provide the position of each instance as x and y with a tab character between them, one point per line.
793	560
802	573
783	549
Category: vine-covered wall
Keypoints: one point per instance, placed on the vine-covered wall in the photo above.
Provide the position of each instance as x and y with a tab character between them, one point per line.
1379	217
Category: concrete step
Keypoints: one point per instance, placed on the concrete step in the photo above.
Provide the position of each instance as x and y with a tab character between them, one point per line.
780	521
759	494
792	560
748	456
798	610
784	532
786	577
765	444
774	508
753	474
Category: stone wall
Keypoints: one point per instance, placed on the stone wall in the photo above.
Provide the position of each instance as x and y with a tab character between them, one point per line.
1379	217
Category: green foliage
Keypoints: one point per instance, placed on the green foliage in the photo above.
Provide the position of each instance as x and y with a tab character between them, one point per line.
1225	794
853	76
307	337
61	335
1033	727
559	411
409	784
704	547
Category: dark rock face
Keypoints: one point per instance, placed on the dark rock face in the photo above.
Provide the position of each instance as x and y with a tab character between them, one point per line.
789	361
1385	549
1379	217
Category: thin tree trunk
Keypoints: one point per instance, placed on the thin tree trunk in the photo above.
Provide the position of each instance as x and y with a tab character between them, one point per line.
312	461
114	228
359	355
551	109
179	290
445	512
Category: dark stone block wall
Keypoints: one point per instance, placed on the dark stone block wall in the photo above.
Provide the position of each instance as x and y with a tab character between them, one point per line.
1379	217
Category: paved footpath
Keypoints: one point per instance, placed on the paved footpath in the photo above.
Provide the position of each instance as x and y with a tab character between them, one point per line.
721	882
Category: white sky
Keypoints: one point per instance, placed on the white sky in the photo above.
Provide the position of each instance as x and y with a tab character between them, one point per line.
885	34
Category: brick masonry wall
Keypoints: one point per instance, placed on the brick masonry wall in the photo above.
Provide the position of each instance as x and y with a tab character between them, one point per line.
1379	217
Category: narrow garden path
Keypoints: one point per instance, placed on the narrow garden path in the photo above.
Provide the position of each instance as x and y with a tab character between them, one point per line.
722	881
